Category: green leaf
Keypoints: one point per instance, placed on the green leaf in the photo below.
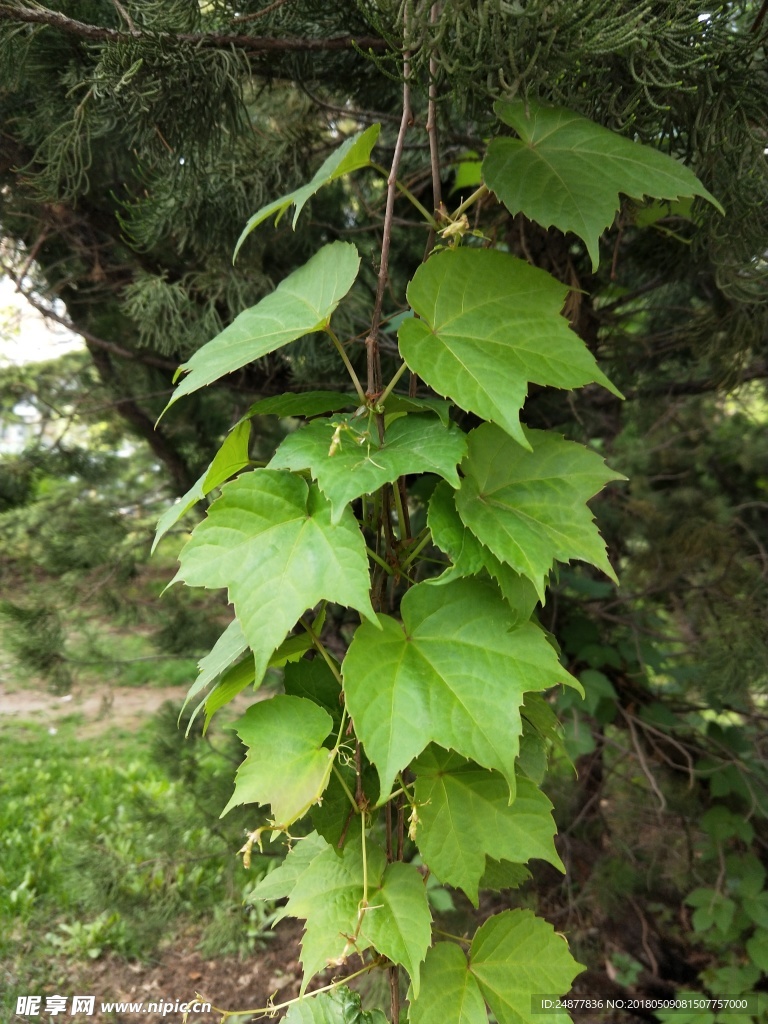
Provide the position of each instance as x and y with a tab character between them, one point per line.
230	459
449	993
351	155
568	171
720	823
470	557
305	403
234	681
756	909
402	403
224	653
490	323
281	882
269	539
328	894
301	304
243	674
516	955
286	766
315	681
465	816
341	1006
454	674
501	874
359	464
757	949
398	922
530	508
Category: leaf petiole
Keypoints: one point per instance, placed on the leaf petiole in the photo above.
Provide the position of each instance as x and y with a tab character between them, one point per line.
345	359
388	390
470	201
408	195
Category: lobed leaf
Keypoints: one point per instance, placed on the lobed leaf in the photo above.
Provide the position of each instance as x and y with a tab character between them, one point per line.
470	557
351	155
269	539
301	304
341	1006
398	922
328	895
280	883
449	994
465	816
286	765
568	171
516	955
530	507
454	674
360	464
488	325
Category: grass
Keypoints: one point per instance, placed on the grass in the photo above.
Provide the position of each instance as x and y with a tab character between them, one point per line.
115	843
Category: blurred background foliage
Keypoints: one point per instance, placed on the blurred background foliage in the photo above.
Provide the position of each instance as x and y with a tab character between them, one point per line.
135	141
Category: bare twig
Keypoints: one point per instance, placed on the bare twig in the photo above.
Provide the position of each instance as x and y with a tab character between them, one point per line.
372	341
643	763
434	148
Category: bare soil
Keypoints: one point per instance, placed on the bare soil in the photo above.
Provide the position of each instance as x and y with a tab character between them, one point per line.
182	974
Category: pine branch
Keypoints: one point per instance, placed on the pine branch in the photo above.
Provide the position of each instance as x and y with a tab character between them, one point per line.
254	44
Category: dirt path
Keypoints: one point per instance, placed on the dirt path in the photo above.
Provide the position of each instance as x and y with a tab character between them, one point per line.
99	707
96	708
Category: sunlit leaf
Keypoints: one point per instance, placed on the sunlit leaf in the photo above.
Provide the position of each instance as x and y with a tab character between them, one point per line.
465	816
269	539
453	673
470	557
516	955
230	459
568	171
345	457
302	303
286	766
351	155
489	324
449	993
530	507
398	922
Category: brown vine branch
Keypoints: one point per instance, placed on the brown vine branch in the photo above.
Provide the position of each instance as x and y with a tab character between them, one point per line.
254	44
372	341
434	148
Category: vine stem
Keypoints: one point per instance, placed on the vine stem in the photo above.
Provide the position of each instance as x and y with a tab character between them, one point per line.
470	201
416	551
269	1010
320	646
388	390
434	147
346	789
372	341
405	191
350	368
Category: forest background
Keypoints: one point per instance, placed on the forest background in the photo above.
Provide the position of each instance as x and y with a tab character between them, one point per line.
136	141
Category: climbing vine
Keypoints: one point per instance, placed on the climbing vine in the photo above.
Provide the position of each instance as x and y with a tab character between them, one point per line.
413	742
